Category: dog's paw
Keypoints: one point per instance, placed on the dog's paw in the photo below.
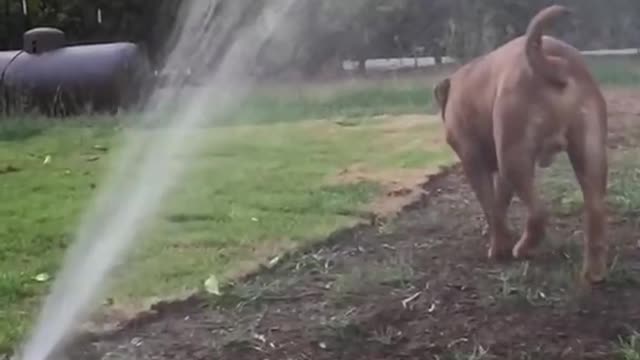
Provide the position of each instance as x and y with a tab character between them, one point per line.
529	242
595	271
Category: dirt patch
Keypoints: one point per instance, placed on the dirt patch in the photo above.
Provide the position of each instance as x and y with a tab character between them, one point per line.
415	287
400	186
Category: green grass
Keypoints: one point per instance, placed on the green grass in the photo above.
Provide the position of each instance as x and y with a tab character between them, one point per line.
264	107
616	70
562	190
254	192
629	348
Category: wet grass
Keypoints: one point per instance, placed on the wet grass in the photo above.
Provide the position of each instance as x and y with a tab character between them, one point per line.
254	192
562	191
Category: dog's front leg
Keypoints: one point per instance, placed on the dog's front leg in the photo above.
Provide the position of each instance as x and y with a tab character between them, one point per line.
502	240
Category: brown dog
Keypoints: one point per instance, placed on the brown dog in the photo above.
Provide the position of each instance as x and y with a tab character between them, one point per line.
520	105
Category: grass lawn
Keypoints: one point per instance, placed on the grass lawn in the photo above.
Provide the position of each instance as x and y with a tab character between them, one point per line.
255	191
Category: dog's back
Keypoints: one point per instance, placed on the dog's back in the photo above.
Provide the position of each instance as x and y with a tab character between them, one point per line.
546	71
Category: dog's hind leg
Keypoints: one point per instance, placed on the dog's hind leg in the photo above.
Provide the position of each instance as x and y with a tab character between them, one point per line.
587	152
516	165
479	172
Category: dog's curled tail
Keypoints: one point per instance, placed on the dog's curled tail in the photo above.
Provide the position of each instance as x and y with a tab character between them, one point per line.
540	64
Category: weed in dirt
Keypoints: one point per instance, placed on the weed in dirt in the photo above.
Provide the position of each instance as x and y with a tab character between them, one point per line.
629	347
397	271
517	287
551	278
622	274
248	294
386	335
385	226
478	352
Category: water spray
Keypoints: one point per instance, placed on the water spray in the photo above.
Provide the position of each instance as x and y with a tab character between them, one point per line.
141	178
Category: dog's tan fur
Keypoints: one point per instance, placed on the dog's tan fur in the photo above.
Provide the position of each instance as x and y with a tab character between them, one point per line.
516	107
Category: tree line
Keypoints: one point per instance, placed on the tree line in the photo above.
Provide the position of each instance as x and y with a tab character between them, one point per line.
88	21
370	28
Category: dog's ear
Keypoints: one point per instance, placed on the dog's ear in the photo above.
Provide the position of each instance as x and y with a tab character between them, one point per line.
441	93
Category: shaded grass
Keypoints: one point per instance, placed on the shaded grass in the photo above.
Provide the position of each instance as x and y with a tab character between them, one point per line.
252	193
623	195
359	102
616	70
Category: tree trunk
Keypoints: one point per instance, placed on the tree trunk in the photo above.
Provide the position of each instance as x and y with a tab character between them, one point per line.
362	65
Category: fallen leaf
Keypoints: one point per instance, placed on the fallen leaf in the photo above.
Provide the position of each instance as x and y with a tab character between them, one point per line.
212	285
260	338
44	277
273	262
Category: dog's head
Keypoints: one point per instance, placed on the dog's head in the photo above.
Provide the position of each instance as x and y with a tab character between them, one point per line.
441	94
